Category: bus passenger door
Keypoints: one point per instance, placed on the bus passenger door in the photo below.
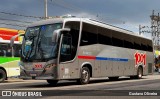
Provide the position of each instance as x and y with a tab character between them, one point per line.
65	52
67	66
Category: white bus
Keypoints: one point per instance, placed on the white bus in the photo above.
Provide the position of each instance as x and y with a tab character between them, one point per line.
9	59
81	48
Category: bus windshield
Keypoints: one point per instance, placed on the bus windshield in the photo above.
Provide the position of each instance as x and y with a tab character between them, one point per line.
38	43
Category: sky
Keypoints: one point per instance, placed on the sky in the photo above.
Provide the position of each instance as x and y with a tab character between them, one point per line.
127	14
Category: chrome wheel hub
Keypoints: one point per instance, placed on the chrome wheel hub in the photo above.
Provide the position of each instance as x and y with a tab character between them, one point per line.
85	75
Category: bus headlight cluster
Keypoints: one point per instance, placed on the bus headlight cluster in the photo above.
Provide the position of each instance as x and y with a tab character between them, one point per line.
21	66
49	66
20	63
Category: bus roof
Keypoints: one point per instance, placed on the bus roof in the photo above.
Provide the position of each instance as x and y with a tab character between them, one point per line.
86	20
48	21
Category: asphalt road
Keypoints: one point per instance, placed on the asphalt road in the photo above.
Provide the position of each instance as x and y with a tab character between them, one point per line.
97	88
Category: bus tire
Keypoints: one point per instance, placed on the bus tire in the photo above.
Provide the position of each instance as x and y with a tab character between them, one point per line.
139	73
113	78
85	76
52	82
132	77
3	75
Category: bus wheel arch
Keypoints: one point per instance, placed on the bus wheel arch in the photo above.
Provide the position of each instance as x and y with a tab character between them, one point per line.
85	74
52	82
89	66
139	72
3	74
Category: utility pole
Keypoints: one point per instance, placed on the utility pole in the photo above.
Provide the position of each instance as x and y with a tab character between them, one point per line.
155	25
140	30
45	9
144	29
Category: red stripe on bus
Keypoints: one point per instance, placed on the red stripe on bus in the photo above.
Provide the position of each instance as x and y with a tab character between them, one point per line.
86	57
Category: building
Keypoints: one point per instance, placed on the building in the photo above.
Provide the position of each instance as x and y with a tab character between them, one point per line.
6	34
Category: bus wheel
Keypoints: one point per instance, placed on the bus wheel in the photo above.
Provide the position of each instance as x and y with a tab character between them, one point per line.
85	76
52	82
139	73
113	78
132	77
2	75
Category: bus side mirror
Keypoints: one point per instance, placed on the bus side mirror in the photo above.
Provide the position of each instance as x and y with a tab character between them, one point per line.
13	39
56	33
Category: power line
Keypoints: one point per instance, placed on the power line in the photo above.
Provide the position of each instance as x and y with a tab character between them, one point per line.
61	5
64	4
110	19
21	15
19	25
69	5
14	20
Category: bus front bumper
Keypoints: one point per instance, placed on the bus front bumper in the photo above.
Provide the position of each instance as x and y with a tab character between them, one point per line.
36	78
37	75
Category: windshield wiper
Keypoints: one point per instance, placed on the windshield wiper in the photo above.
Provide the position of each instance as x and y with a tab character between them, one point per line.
27	56
41	50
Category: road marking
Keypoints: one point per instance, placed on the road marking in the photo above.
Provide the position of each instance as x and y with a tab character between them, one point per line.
146	78
20	82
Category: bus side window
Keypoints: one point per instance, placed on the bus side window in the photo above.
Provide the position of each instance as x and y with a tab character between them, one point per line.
4	50
1	53
8	53
17	50
88	38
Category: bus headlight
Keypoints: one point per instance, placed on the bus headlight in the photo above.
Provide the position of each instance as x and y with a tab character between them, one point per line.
21	67
49	66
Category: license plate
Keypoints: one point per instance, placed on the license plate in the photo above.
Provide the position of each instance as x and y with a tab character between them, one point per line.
33	74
